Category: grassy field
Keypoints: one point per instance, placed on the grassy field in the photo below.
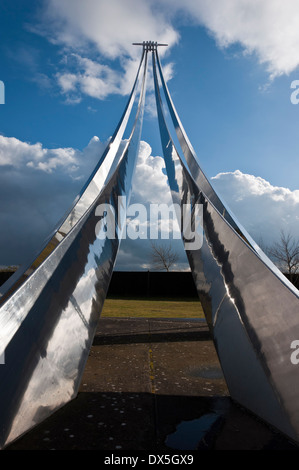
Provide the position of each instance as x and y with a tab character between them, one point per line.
152	308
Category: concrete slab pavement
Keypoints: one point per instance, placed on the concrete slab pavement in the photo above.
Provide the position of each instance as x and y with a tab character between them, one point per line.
152	385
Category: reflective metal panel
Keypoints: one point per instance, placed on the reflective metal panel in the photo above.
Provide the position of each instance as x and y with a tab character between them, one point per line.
47	325
96	181
252	314
48	318
204	184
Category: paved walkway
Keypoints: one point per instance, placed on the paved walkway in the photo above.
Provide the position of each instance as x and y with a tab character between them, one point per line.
153	385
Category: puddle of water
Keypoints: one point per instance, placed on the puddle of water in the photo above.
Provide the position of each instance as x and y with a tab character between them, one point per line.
213	372
189	433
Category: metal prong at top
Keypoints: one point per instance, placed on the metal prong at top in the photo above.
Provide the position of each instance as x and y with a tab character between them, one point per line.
149	45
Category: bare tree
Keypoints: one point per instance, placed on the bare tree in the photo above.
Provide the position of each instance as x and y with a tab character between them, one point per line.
163	256
285	254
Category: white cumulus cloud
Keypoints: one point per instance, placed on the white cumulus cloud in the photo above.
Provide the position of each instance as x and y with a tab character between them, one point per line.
112	26
263	209
17	154
267	28
150	182
105	31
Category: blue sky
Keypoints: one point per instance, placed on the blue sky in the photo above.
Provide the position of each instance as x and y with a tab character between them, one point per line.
68	67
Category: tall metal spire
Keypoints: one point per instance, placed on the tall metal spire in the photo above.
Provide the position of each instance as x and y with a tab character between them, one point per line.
50	309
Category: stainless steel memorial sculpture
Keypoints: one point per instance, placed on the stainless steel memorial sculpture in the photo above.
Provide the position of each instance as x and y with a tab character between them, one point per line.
50	308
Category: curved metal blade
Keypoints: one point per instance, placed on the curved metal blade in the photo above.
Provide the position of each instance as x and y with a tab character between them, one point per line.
48	323
251	313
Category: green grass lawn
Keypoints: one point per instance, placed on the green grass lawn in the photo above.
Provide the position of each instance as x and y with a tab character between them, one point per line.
152	308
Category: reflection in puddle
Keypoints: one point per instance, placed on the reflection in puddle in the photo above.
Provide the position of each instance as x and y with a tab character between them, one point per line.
189	433
213	372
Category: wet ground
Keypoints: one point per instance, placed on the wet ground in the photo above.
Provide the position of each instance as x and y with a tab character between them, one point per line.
152	385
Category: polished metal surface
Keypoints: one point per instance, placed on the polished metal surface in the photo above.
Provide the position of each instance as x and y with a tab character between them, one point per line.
102	172
47	324
252	313
203	183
